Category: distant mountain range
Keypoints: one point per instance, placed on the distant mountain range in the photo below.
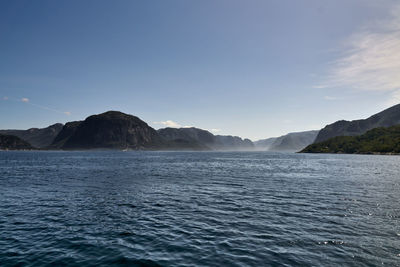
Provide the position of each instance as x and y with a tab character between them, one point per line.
116	130
39	138
290	142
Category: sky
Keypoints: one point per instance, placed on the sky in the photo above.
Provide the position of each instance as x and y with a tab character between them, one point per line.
255	69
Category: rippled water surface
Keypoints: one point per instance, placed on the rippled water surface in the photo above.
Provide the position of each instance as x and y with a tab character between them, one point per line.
198	209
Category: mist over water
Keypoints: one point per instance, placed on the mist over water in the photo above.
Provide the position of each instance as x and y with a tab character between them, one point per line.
198	209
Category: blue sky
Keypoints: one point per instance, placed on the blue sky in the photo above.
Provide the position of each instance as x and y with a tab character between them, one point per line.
255	69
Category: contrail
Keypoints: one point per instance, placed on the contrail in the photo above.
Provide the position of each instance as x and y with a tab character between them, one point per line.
27	101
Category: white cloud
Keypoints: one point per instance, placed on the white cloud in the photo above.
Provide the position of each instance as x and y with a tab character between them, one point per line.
67	113
371	60
24	99
169	123
173	124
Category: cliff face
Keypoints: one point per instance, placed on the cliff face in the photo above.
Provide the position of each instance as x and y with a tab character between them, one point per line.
38	137
10	142
109	130
386	118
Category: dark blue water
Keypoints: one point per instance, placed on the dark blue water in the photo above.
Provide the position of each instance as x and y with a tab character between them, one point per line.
198	209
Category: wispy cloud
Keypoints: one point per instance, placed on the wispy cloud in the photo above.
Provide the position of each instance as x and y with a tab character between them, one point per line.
24	99
371	60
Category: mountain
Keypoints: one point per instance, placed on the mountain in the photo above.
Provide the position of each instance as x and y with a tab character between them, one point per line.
289	142
386	118
294	141
109	130
67	131
205	140
192	134
379	140
117	130
37	137
11	142
228	142
189	138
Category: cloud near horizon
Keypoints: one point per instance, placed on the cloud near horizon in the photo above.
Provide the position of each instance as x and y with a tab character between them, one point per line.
371	61
169	123
173	124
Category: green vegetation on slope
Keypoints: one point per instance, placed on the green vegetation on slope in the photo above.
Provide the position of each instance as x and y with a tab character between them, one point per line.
387	118
379	140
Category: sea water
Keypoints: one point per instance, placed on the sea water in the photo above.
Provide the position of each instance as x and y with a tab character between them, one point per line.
198	209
